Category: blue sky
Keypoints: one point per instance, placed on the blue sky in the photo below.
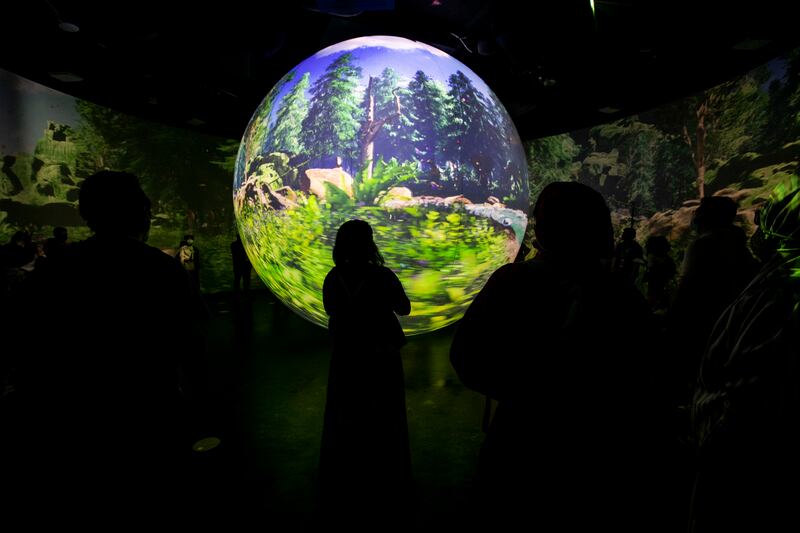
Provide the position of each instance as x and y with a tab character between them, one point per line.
25	108
373	54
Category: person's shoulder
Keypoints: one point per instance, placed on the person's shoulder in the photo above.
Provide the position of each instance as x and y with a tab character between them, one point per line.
156	257
385	271
331	273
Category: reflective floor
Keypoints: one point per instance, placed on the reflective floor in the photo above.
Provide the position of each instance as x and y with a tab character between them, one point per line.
268	372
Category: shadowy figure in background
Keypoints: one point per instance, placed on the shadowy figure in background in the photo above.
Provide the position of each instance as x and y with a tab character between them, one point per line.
17	258
628	257
365	460
716	267
241	265
574	444
746	407
104	392
55	246
189	257
660	273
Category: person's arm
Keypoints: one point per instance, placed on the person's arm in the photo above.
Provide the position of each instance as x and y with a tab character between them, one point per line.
329	290
400	302
474	353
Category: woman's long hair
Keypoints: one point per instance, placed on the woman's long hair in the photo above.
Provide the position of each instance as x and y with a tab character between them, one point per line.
354	245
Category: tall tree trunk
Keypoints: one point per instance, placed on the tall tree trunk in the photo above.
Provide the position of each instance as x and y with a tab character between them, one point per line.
368	146
700	152
372	127
699	147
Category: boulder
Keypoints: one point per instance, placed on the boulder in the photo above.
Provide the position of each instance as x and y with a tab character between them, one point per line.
313	180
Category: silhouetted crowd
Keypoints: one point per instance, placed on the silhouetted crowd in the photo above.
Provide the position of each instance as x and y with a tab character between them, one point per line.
631	395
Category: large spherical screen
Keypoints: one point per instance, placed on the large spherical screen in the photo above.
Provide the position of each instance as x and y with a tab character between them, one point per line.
399	134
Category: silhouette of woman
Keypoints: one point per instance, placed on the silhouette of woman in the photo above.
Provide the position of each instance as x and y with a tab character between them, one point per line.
577	401
365	455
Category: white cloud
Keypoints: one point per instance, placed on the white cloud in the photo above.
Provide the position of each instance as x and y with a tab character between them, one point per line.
385	41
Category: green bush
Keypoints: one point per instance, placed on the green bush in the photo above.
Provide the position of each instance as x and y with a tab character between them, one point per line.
442	260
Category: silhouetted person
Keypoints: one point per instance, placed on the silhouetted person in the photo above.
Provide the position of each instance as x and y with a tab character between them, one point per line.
746	408
105	387
660	272
574	443
365	461
241	265
628	256
189	257
15	255
717	265
55	245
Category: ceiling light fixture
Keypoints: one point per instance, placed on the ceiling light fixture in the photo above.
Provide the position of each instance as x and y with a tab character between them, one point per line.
66	77
68	27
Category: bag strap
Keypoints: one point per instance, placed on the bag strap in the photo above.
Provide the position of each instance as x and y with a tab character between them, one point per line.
350	295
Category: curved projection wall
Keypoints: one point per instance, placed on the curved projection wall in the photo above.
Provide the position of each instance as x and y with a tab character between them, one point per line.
49	142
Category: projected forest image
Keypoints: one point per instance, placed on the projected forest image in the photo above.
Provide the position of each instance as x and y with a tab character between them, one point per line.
739	139
400	135
51	142
445	217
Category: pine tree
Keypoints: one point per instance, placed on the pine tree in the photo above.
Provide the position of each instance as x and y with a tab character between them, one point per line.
285	134
333	120
469	143
427	111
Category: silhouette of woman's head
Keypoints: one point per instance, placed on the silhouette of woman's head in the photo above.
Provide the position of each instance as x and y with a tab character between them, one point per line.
657	245
714	212
628	234
572	219
114	203
354	245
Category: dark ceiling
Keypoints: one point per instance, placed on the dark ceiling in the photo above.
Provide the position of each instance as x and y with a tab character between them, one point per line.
555	65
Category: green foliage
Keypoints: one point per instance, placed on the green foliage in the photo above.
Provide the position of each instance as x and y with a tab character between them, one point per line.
442	260
334	118
226	156
636	143
395	137
384	177
6	229
549	159
784	109
469	126
258	128
179	169
675	174
427	108
285	136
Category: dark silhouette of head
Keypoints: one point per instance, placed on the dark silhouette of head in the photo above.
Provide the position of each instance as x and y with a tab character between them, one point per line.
113	203
60	234
572	219
714	212
628	234
657	245
354	244
21	238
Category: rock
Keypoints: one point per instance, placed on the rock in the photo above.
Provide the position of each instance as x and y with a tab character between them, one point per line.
402	194
495	201
458	199
313	180
283	198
